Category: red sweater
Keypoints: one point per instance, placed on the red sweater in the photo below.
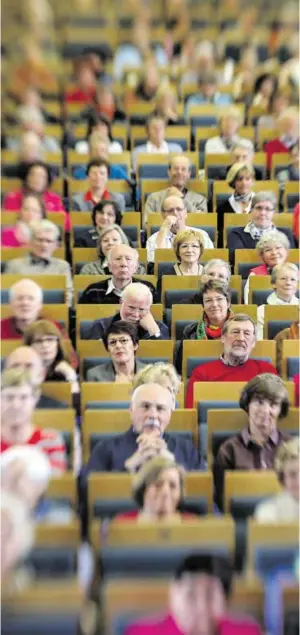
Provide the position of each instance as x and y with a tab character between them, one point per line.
296	218
50	442
275	145
218	371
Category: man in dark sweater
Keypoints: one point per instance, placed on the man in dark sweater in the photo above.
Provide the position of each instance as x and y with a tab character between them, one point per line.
122	262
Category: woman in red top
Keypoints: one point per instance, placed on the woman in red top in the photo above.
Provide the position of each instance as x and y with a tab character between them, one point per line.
273	249
19	235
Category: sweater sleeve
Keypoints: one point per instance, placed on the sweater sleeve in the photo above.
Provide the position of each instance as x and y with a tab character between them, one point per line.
197	375
224	461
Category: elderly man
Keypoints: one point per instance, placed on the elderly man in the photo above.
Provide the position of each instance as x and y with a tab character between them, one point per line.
98	175
238	339
135	307
156	143
122	262
40	260
150	410
179	176
288	134
174	214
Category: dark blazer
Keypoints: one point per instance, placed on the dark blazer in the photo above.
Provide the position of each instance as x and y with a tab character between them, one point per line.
106	372
95	293
239	239
99	327
222	209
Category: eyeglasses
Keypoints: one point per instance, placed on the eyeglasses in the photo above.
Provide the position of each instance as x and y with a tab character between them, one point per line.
122	340
261	208
48	339
134	309
218	300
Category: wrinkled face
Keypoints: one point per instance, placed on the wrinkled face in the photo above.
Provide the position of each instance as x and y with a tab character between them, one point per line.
263	415
106	217
17	406
123	262
98	177
243	183
47	348
274	254
156	131
121	348
291	477
152	402
189	251
26	303
216	307
229	126
262	214
179	172
99	150
133	309
239	340
26	358
216	272
174	206
37	179
110	240
286	284
44	243
241	155
162	497
197	602
31	210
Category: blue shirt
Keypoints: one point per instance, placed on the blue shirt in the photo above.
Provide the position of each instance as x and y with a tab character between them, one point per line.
116	172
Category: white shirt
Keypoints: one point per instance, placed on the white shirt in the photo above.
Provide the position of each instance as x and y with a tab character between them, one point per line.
282	508
163	148
272	300
151	242
216	145
111	287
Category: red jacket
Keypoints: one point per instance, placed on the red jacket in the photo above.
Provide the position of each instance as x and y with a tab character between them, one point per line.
51	443
275	145
167	626
296	221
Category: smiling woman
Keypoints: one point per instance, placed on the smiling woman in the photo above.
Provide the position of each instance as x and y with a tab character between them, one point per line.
285	281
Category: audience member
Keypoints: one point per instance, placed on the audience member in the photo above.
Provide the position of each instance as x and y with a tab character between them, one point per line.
208	94
283	507
278	103
100	124
198	601
188	247
229	124
150	410
135	307
159	373
265	400
40	259
25	472
19	397
238	339
296	222
166	106
121	341
85	88
215	269
273	248
30	150
104	213
265	88
291	172
174	214
288	134
122	263
98	175
31	118
285	282
109	237
99	145
156	142
215	298
148	85
290	333
240	178
179	176
19	235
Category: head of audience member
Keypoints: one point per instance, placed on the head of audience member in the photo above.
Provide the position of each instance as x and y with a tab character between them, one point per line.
27	359
208	83
25	472
279	102
104	100
98	175
216	269
230	122
179	171
205	57
122	262
151	408
189	248
109	237
158	489
37	178
266	86
241	177
106	213
19	396
285	281
100	124
166	103
136	302
26	301
32	209
242	152
265	400
121	341
199	592
45	238
288	125
85	76
46	339
238	339
156	129
249	60
273	249
174	212
263	208
159	373
150	80
215	297
286	466
31	149
17	533
99	146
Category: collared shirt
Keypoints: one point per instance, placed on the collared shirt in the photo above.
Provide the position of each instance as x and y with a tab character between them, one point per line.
111	288
89	196
151	242
38	260
237	206
163	148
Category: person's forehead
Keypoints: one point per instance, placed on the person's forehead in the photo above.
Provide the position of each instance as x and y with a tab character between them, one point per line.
180	162
154	393
106	208
245	325
25	289
113	233
173	201
23	355
113	336
217	269
213	293
137	301
273	245
122	250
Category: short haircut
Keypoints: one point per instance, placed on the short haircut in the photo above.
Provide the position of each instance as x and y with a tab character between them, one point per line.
216	566
137	290
179	156
287	451
239	317
41	328
277	269
149	473
99	207
154	116
132	250
106	230
265	386
183	236
38	199
272	238
155	374
217	262
17	377
233	112
246	144
35	287
98	163
236	170
261	197
218	287
94	120
46	226
37	164
119	328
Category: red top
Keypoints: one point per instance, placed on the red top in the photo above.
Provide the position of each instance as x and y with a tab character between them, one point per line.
261	270
218	371
133	514
89	197
167	626
296	380
296	221
79	95
275	145
52	201
50	442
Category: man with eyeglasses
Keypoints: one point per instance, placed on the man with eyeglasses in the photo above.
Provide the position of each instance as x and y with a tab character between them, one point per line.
239	337
40	259
135	307
121	341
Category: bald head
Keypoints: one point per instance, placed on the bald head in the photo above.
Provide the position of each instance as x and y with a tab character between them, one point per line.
151	408
26	299
179	171
27	358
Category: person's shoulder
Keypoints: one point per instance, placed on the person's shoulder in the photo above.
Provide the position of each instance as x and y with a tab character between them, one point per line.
98	286
266	510
265	367
154	626
59	263
17	264
101	372
141	148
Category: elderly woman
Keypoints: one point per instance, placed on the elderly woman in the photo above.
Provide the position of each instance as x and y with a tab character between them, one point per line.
188	246
104	214
285	281
263	208
265	400
229	124
109	237
283	507
158	490
273	249
19	235
121	341
217	270
215	298
240	178
159	373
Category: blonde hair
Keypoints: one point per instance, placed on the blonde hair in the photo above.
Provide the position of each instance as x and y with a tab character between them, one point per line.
232	112
277	269
98	136
236	170
156	374
187	234
287	451
17	377
106	230
272	238
150	472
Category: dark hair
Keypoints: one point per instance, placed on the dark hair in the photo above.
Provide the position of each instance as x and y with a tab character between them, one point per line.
265	386
37	164
93	122
154	116
46	327
219	567
38	198
261	79
214	285
98	163
119	327
99	207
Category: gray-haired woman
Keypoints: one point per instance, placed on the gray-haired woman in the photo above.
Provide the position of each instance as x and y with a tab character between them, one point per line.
109	237
273	249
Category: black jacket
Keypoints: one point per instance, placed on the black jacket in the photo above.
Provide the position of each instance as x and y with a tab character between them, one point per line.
239	239
99	327
95	293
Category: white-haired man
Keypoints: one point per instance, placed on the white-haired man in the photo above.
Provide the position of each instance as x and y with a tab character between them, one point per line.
135	307
40	260
122	263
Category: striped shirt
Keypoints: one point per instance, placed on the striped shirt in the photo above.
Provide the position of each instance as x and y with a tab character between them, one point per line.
49	441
